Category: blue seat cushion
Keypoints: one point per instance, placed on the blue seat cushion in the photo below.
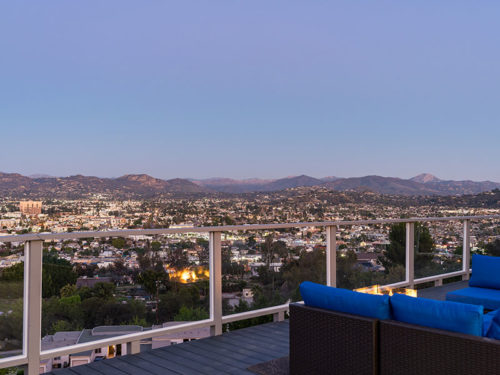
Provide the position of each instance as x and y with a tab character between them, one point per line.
345	301
487	320
450	316
489	298
485	272
492	325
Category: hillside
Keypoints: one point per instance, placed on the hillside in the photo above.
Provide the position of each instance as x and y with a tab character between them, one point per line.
16	185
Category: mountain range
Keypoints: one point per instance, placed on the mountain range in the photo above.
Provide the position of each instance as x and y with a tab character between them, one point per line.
16	185
423	184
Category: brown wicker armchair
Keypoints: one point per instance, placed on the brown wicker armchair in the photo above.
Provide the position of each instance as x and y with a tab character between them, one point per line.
410	349
328	342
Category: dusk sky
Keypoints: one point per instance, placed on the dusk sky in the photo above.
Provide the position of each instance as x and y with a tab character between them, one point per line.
250	88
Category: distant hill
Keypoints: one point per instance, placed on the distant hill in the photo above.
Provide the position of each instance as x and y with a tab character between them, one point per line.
228	185
329	178
424	184
455	187
425	178
292	182
382	185
16	185
39	175
142	185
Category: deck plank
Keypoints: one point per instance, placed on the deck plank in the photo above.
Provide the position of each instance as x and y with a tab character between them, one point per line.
231	353
233	366
148	366
439	292
203	363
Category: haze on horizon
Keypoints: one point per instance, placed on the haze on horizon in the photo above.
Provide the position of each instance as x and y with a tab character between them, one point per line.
250	89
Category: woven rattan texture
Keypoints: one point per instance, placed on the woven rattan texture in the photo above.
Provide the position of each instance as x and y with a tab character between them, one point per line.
408	349
326	342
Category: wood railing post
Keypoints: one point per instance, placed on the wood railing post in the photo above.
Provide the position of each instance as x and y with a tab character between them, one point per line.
279	316
331	255
32	326
466	250
133	347
215	259
410	254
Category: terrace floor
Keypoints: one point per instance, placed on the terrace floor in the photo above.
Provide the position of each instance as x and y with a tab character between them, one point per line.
439	292
230	353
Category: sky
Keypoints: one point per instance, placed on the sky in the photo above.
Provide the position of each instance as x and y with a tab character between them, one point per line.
260	88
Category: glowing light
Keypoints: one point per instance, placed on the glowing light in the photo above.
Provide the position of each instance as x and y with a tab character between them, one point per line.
380	290
189	275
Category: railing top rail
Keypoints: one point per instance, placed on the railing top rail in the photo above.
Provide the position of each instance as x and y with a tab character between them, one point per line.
226	228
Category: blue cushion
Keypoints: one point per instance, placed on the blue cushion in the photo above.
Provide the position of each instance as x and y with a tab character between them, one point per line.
487	319
346	301
450	316
485	272
492	325
489	298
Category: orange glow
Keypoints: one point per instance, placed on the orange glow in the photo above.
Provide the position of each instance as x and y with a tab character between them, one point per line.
189	275
377	289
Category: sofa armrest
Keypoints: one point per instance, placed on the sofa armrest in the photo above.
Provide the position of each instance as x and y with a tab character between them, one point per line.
328	342
411	349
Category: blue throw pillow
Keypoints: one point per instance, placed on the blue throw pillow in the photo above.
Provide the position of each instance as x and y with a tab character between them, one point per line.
493	329
346	301
446	315
485	272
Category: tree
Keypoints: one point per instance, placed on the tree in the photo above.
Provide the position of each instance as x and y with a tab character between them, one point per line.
13	273
396	251
68	290
152	280
187	314
155	246
118	243
493	248
270	249
251	242
11	325
104	291
56	274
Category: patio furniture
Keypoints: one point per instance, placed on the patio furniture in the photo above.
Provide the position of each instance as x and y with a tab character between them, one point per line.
415	336
415	350
329	342
337	332
484	284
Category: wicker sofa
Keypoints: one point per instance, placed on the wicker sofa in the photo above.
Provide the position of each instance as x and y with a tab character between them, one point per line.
412	349
425	337
328	342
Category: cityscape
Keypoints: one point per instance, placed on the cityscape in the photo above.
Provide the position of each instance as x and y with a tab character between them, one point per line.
94	288
249	188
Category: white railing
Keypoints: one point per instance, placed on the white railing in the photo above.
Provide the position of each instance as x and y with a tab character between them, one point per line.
32	353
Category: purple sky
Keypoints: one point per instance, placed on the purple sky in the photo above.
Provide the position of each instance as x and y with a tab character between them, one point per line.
255	88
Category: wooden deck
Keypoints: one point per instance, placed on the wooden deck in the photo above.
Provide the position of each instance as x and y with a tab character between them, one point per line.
230	353
439	292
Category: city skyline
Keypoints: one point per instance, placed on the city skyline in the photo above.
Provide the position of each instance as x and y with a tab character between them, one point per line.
244	90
